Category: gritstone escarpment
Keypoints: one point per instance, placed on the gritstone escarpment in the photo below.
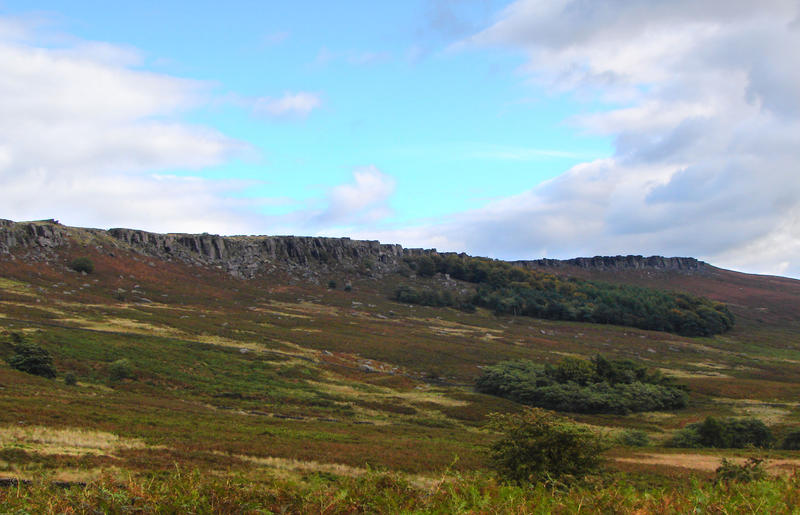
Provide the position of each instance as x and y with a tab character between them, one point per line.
620	263
247	256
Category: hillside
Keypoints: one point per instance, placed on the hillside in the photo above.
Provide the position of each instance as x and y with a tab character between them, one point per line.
265	356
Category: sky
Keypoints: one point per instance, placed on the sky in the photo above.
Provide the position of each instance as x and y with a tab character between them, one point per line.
511	129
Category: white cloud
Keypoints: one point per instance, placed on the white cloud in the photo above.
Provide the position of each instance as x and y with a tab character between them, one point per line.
363	201
83	135
707	138
290	105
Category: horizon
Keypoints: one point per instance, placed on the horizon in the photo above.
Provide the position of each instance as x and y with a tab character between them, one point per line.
427	249
522	129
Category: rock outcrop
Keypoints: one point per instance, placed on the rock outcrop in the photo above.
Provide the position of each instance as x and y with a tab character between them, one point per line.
241	256
620	263
247	256
47	234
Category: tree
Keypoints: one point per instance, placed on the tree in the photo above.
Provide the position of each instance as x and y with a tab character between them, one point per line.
536	445
121	369
82	264
32	359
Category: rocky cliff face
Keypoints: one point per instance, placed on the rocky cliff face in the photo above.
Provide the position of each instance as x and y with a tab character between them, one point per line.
241	256
43	235
247	256
619	263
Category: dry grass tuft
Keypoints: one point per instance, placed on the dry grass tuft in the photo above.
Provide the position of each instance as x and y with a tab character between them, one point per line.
71	441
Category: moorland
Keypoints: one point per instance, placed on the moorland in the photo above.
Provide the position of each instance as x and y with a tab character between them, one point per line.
208	374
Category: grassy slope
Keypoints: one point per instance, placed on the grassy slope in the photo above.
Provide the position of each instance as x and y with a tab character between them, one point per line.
277	375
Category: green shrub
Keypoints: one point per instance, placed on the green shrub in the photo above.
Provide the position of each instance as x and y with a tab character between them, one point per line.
580	386
121	369
70	379
538	446
792	441
724	433
751	470
634	438
82	264
332	285
32	359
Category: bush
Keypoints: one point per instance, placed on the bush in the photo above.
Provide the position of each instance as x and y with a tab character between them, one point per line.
751	470
538	446
634	438
580	386
331	285
70	379
792	441
121	369
82	264
32	359
724	433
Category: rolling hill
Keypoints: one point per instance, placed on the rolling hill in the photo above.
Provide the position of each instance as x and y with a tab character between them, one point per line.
262	357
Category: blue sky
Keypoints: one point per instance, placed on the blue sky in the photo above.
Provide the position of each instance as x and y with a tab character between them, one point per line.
515	129
453	128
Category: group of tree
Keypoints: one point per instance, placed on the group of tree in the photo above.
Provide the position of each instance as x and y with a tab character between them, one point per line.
508	289
575	385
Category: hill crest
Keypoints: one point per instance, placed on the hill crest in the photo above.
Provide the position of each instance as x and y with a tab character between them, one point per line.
246	256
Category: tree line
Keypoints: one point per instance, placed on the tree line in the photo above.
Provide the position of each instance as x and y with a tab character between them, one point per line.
508	289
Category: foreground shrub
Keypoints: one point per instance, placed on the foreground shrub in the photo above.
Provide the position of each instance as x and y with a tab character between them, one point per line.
32	359
389	493
82	264
538	446
724	433
580	386
751	470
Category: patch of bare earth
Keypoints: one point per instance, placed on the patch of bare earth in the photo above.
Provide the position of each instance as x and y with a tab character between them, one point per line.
707	462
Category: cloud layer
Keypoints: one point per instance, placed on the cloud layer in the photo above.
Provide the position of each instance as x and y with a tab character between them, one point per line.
707	141
86	138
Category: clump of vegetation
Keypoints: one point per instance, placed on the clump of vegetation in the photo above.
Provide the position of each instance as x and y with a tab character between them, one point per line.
575	385
791	442
82	264
724	433
331	285
431	297
634	438
751	470
121	369
507	289
538	446
70	379
32	359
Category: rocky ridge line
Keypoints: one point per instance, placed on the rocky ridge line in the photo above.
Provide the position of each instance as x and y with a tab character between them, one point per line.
620	263
247	256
